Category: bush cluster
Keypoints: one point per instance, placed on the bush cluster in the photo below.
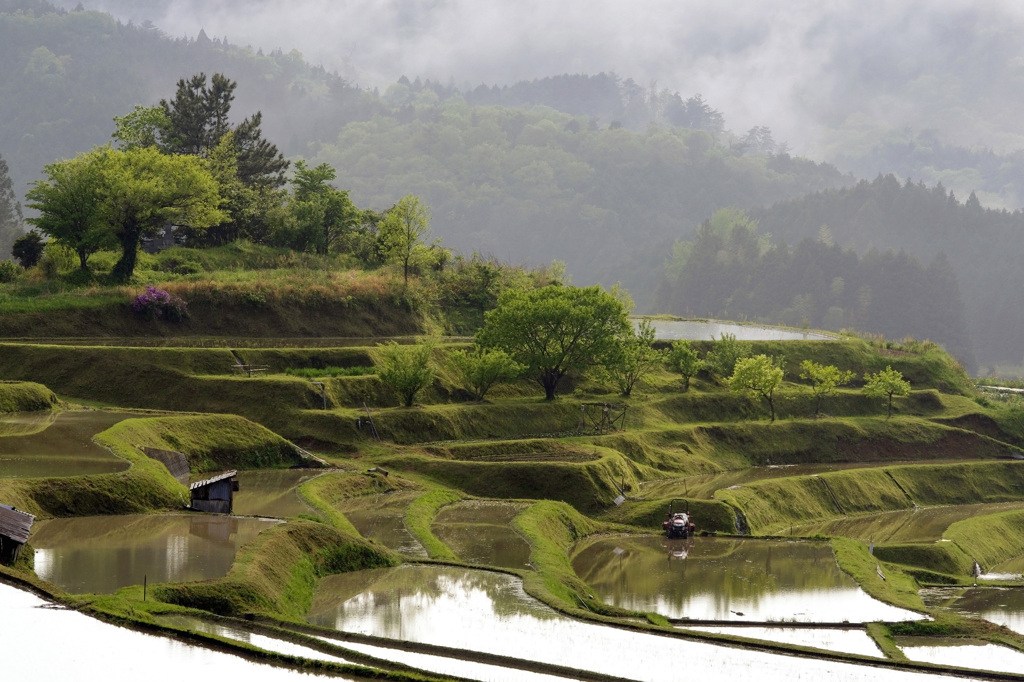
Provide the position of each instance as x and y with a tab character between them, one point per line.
158	304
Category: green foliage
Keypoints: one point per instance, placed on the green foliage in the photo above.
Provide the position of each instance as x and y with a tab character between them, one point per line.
406	370
633	358
685	360
403	231
23	396
9	271
886	384
10	213
555	330
825	380
758	375
68	205
322	214
482	368
28	248
313	372
141	127
724	355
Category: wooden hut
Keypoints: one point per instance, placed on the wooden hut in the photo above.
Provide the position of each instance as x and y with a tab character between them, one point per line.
14	529
214	494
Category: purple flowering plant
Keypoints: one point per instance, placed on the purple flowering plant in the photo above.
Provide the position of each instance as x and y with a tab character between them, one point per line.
159	304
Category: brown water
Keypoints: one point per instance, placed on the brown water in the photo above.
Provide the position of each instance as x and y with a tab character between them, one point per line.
272	492
1000	605
489	612
382	518
44	642
101	554
923	525
52	445
480	532
728	579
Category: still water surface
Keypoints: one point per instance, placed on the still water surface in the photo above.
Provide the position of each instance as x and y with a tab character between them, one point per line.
57	444
58	644
910	525
728	579
1000	605
382	518
480	532
978	655
102	554
706	330
490	612
272	492
848	641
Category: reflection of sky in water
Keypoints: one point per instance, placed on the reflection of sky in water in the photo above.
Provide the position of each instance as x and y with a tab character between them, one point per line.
115	654
1002	606
846	641
979	656
670	330
461	613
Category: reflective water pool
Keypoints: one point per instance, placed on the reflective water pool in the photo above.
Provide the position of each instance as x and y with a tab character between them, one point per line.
480	532
58	644
1000	605
728	579
57	444
921	525
272	492
706	330
847	641
489	612
979	655
382	518
101	554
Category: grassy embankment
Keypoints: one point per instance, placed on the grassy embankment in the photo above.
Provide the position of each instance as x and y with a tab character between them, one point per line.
211	442
26	396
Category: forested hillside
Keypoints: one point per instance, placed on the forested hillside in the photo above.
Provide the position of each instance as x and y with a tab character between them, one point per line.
730	270
984	247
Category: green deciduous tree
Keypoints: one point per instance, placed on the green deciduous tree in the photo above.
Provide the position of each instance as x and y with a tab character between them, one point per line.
406	370
684	359
323	213
28	248
722	358
825	379
480	369
886	384
759	375
68	205
403	231
555	330
633	358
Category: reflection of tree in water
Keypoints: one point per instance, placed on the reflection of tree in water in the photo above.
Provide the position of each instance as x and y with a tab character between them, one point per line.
722	569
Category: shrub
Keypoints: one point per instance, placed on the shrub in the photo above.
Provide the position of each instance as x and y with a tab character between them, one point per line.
158	304
8	271
483	368
405	369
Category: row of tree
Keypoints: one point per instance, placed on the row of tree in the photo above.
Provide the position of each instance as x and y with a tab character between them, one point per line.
732	270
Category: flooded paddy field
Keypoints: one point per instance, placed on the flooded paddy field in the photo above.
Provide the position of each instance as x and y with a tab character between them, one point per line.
999	605
57	444
31	626
382	518
102	554
272	492
480	532
964	654
706	330
489	612
923	524
850	641
724	579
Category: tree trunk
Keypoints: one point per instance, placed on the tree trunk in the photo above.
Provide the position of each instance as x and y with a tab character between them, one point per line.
83	258
125	266
549	380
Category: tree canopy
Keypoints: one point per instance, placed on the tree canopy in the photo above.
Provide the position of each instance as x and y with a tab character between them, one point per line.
758	375
886	384
555	330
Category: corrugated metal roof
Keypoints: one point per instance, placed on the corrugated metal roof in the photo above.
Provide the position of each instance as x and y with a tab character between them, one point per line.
15	524
209	481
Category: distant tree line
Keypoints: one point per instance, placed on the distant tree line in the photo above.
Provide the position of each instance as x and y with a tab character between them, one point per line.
730	270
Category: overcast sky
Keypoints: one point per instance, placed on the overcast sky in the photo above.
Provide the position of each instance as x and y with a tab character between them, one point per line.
794	66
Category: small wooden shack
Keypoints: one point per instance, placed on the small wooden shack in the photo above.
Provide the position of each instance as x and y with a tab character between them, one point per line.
214	494
14	529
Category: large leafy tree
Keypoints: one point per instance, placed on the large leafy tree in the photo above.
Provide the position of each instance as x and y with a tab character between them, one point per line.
633	358
321	211
68	204
825	380
555	330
